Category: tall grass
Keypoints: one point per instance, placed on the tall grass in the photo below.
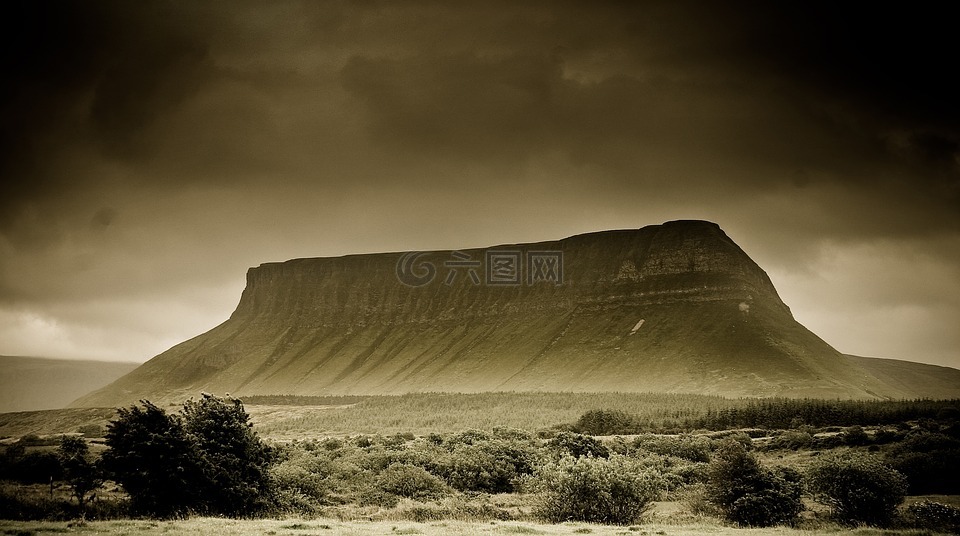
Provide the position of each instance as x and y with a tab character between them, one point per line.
425	413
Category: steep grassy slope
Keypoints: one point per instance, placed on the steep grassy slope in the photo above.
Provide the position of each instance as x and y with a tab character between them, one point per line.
712	322
33	383
926	381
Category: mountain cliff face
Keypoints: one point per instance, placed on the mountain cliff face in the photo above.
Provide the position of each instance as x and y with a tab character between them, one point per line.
677	307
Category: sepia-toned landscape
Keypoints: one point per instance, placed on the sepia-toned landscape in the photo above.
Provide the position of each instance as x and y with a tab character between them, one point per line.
661	385
657	268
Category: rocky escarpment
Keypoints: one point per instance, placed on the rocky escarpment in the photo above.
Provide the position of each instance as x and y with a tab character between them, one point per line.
677	307
677	261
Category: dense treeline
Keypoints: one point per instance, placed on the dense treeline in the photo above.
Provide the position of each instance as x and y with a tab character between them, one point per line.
773	413
789	413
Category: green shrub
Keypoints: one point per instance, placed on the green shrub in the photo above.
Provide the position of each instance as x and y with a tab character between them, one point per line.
516	434
207	459
300	478
696	501
17	506
930	461
82	473
469	437
933	516
475	509
827	442
578	445
396	441
371	495
410	481
331	443
792	440
691	473
606	422
488	465
292	501
153	459
854	436
36	467
235	462
748	493
887	435
692	448
611	491
860	490
770	506
473	468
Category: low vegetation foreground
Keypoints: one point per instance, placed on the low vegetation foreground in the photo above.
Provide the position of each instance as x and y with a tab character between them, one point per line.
657	464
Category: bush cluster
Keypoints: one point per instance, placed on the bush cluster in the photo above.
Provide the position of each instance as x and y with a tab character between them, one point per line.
490	466
380	471
411	481
607	422
748	493
687	447
207	459
18	465
26	507
579	445
931	515
792	440
859	489
930	461
615	490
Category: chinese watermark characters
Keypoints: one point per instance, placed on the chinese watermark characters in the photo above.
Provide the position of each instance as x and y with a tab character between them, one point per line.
504	267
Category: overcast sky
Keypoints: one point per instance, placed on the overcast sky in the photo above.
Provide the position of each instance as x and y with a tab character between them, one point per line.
150	152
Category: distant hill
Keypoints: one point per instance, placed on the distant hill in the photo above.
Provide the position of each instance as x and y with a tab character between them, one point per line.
677	307
926	381
33	383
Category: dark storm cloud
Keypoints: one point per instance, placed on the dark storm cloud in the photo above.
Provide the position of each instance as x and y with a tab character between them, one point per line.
812	86
889	59
880	73
88	76
159	148
809	85
474	107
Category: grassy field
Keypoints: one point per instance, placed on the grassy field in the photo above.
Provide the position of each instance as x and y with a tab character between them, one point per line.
422	413
418	413
439	412
436	463
286	418
52	421
297	527
425	413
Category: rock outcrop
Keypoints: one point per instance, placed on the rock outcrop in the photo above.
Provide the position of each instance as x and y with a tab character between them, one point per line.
677	307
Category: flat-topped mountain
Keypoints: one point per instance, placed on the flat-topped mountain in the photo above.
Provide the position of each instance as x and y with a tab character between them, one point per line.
677	307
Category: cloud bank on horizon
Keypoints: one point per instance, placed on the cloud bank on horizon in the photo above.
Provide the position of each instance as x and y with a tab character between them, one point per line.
152	151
